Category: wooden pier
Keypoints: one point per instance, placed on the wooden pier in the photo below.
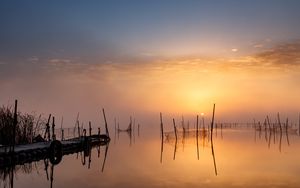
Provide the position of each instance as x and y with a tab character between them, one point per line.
54	150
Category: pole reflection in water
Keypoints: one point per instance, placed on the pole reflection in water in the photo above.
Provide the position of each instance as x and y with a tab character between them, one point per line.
161	149
175	149
130	131
7	174
105	155
213	168
214	159
276	131
197	135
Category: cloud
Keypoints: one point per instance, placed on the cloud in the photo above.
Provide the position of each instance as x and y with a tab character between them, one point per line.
148	54
258	45
59	61
33	59
288	54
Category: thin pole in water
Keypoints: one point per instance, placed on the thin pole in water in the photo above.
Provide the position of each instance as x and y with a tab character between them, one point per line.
212	122
106	129
90	128
197	137
61	128
299	123
161	126
175	129
279	122
162	138
53	128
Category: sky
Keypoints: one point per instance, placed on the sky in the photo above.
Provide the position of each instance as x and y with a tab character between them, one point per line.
142	57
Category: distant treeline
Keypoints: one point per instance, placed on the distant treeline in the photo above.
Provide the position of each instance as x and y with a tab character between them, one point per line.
27	128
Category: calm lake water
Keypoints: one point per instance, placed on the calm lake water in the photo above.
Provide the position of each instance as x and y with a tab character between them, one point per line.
242	158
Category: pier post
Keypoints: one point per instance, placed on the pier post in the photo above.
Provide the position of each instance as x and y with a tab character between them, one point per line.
62	134
53	128
47	131
90	128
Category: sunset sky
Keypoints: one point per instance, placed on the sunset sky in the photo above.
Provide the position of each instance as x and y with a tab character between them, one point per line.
142	57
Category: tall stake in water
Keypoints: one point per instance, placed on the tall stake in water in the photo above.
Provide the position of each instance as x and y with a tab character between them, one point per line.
212	122
161	126
175	130
197	137
279	122
162	137
299	123
106	129
53	128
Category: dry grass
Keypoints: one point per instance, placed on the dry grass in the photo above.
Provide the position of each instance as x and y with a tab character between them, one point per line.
28	126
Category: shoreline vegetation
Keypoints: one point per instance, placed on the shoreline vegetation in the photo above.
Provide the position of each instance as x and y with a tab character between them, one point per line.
28	126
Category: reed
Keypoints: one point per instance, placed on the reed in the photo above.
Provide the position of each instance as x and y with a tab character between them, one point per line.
18	128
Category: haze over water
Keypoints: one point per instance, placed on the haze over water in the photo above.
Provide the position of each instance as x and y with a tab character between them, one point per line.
140	58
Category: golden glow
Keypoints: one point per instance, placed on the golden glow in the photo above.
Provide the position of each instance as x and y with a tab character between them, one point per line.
241	87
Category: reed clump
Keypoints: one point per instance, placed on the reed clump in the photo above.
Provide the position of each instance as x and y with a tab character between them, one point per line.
27	128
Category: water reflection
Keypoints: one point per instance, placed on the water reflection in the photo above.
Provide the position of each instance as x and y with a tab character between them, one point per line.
274	132
198	136
7	173
193	160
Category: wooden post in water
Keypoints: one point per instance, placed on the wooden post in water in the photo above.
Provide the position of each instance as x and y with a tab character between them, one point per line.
286	129
15	125
299	125
197	127
115	119
203	122
162	137
286	124
161	127
279	122
78	129
76	122
106	129
61	128
53	129
212	122
269	126
47	134
175	130
90	128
